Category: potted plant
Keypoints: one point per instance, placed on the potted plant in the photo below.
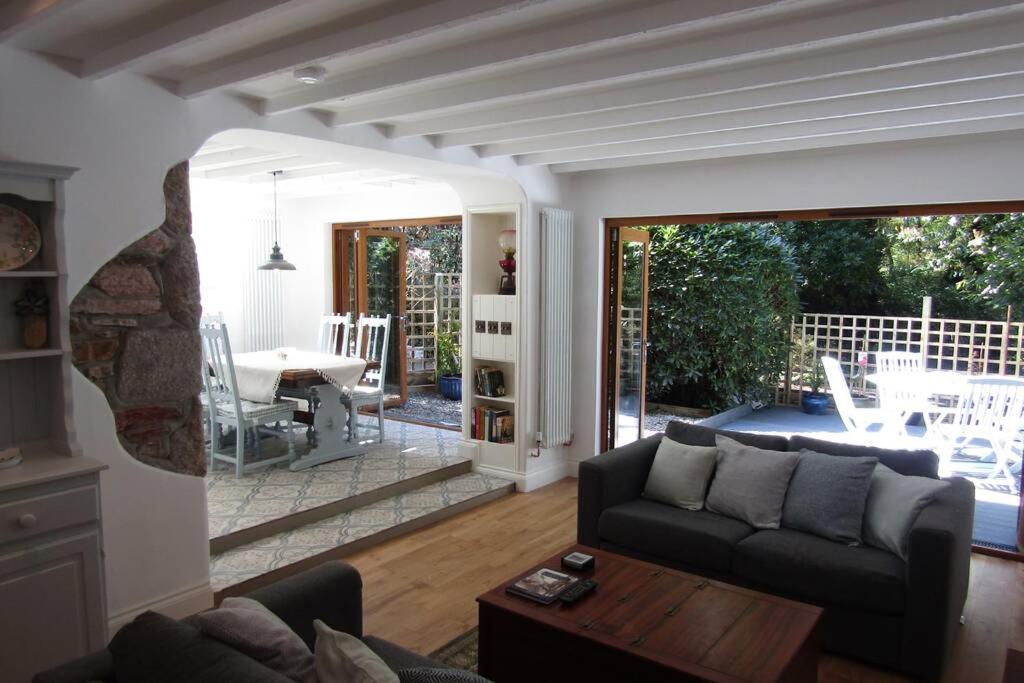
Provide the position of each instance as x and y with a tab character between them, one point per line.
33	308
449	364
815	402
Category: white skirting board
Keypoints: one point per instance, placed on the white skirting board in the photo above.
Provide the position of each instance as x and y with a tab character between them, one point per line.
178	605
531	481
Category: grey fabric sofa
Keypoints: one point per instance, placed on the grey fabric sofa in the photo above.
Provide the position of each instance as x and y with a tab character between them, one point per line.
331	592
878	608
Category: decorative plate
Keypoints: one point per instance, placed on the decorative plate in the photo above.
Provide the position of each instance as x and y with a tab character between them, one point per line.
19	238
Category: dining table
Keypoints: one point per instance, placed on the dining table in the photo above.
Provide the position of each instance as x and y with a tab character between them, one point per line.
320	379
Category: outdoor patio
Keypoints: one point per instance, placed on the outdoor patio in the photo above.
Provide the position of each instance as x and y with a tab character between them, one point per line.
995	517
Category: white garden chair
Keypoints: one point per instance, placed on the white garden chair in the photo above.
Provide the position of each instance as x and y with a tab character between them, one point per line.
992	410
372	336
335	334
903	399
226	407
898	361
856	419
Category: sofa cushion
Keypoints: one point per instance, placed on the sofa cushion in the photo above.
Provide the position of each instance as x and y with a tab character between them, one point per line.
695	538
154	648
893	505
343	658
920	463
827	494
680	474
816	570
750	483
696	435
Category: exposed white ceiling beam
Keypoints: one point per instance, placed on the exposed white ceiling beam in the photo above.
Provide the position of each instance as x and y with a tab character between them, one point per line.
840	126
958	73
630	23
187	30
966	53
859	23
264	167
233	157
1013	122
20	15
419	19
1006	88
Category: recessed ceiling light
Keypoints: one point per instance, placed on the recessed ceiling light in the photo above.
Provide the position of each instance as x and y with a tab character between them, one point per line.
310	75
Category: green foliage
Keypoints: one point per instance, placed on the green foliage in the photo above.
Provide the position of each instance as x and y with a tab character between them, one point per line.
839	262
806	366
449	353
721	298
443	242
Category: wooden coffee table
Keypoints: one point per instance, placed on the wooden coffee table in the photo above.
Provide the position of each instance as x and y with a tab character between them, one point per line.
647	623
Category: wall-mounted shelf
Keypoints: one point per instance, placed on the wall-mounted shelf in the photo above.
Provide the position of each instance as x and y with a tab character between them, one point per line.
497	399
23	354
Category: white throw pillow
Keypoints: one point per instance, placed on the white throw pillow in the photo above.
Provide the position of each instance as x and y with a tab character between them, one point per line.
343	658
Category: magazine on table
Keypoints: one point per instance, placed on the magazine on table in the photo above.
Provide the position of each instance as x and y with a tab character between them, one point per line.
544	585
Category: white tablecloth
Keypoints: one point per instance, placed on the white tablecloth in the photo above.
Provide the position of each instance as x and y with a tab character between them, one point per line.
259	373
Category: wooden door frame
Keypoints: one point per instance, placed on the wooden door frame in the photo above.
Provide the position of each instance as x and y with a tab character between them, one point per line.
340	254
631	235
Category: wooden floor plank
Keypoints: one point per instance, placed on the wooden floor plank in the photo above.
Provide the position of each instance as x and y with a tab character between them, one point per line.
420	590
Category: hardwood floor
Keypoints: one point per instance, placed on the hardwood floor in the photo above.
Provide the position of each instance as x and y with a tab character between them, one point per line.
420	590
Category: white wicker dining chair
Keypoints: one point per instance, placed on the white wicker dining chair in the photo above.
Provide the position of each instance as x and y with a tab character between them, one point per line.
856	419
372	337
990	409
227	408
335	334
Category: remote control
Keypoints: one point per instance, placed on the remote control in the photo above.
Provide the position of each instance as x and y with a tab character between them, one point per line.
577	591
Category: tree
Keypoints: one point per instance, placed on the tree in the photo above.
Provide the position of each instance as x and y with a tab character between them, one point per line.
720	304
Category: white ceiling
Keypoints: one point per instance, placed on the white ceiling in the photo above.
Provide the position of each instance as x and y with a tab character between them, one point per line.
575	85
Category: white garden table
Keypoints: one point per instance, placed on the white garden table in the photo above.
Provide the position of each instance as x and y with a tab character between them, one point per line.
319	378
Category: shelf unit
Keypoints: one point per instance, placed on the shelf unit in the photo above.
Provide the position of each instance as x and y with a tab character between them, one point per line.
35	384
495	347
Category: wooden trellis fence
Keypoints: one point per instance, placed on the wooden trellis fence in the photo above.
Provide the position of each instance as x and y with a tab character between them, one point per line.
431	305
966	346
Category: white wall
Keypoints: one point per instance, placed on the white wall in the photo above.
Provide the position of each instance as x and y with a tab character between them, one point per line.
968	168
124	133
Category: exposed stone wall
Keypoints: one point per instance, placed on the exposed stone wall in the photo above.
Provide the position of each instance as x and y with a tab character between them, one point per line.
134	333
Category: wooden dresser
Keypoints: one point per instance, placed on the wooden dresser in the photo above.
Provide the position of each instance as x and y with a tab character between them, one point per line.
51	551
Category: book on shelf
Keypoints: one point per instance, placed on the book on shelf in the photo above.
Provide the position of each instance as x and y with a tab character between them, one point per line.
494	425
490	381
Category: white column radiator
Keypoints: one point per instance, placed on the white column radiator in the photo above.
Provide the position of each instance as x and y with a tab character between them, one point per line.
555	327
262	295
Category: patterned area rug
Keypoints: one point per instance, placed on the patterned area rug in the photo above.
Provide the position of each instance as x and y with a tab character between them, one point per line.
461	652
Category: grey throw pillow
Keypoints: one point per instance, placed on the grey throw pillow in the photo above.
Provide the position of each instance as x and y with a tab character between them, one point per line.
827	494
750	483
343	658
249	627
680	474
894	503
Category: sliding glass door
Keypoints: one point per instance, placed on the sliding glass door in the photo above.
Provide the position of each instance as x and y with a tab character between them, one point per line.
625	371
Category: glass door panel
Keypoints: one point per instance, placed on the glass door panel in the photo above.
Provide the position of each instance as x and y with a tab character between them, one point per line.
626	334
380	273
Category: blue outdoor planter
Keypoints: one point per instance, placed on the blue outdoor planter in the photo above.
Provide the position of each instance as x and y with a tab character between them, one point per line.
451	387
814	404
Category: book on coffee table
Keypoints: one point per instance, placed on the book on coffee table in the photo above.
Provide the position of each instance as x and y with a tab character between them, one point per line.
544	585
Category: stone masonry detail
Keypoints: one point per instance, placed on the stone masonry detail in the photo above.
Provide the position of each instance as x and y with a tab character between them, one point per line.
134	333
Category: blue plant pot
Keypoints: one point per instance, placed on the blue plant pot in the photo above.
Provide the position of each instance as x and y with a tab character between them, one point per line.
451	387
814	404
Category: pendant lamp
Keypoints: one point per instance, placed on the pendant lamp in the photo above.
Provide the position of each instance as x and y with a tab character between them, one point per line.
276	260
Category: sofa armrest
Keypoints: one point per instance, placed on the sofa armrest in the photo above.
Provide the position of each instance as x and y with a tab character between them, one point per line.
97	666
331	592
609	479
938	574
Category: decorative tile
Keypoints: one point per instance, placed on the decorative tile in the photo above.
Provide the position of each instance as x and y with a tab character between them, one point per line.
264	495
244	562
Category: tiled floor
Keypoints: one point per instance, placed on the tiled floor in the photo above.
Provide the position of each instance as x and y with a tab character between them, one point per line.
265	495
245	562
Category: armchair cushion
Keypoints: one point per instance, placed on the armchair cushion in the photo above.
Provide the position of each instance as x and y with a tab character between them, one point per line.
817	570
694	538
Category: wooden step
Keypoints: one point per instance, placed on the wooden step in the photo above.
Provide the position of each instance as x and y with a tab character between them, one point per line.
262	562
288	521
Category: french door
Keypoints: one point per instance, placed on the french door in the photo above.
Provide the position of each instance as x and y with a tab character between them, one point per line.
369	279
625	335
